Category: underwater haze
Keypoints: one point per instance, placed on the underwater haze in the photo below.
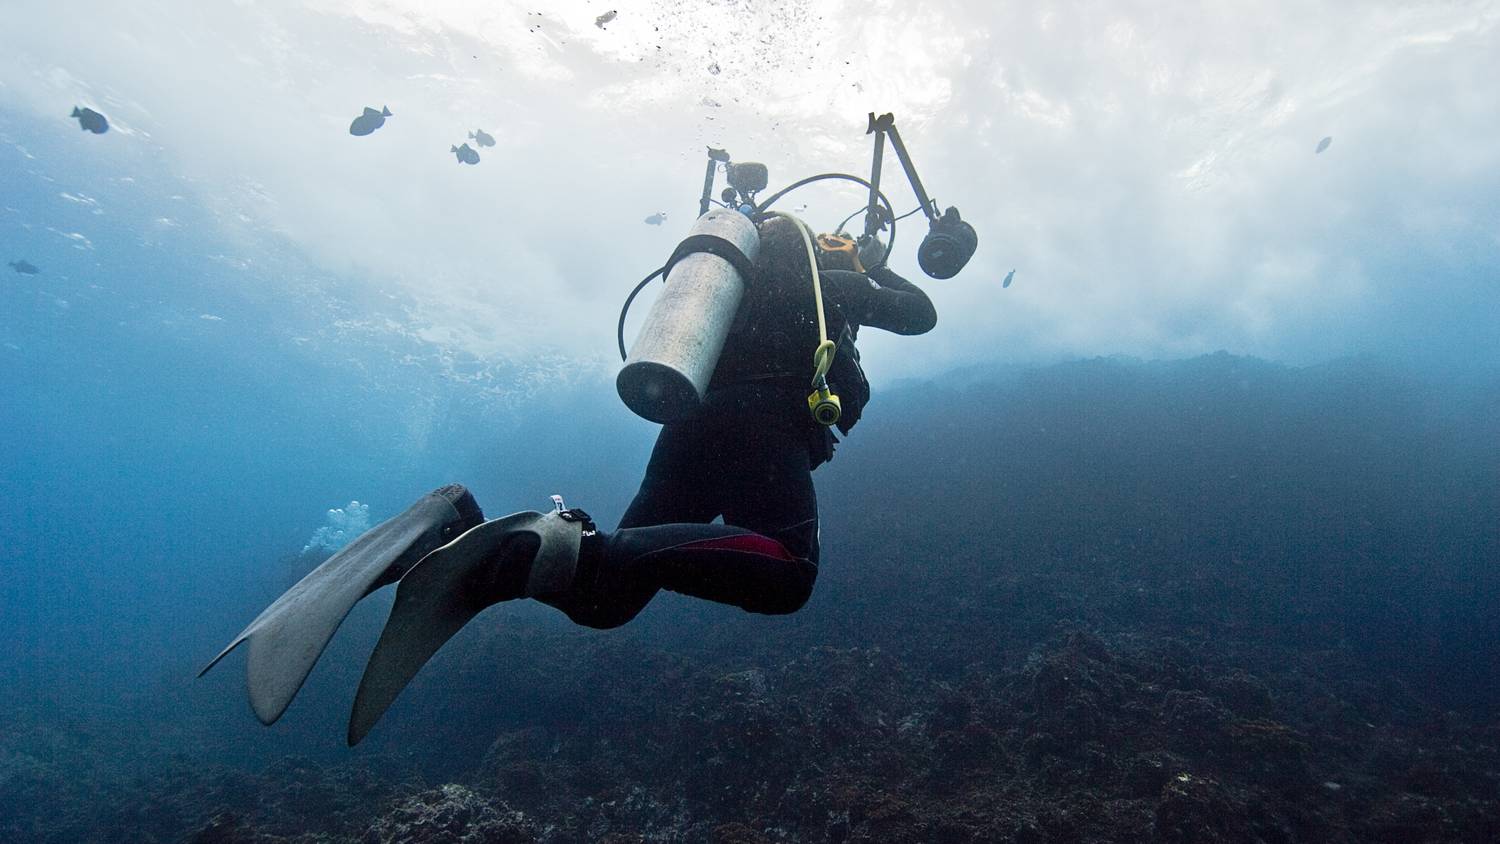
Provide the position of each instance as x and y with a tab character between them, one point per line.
1183	524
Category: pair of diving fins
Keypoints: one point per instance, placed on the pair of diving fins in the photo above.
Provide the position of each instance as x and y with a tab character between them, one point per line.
449	564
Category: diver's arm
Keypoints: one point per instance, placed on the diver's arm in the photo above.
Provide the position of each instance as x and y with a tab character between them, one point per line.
896	305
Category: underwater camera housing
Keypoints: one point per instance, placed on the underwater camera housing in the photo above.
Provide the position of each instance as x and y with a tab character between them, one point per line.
948	246
747	177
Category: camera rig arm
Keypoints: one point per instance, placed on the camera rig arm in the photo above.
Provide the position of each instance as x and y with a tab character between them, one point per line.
715	158
882	127
950	242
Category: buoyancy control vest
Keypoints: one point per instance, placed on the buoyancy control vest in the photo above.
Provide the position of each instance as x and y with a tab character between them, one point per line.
770	340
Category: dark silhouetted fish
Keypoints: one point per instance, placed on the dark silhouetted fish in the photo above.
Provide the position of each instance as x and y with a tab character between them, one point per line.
1008	276
656	219
90	120
605	18
466	154
1323	144
482	138
369	121
23	267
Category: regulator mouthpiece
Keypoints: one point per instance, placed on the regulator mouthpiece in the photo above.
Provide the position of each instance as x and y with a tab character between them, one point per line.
948	246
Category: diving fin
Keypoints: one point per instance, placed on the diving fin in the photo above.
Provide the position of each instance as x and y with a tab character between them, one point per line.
287	638
523	555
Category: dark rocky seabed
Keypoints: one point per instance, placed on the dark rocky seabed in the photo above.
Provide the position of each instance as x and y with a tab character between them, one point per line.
1209	600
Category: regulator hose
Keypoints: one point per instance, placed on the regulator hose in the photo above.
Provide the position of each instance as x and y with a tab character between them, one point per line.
620	329
822	403
889	209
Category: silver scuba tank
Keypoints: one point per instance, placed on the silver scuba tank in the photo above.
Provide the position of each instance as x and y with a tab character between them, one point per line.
667	371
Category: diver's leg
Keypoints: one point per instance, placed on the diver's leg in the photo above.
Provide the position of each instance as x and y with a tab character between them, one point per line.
771	490
682	479
723	563
681	485
619	573
697	471
606	593
562	559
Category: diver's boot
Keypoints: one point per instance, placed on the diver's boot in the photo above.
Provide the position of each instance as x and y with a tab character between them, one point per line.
523	555
287	638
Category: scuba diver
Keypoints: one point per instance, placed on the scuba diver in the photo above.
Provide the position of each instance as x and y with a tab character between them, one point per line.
747	452
741	437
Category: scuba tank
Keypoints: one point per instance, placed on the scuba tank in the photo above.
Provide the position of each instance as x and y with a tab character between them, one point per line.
667	370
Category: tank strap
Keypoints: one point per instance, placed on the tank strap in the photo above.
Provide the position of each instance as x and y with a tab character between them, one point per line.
783	375
713	245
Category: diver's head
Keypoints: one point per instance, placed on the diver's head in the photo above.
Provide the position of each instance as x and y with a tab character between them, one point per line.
783	252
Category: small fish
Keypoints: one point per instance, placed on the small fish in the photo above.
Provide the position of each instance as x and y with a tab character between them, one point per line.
1008	276
605	18
90	120
369	121
466	154
656	219
1323	144
23	267
481	137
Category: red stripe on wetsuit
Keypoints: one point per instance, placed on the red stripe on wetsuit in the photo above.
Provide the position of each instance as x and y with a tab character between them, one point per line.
749	543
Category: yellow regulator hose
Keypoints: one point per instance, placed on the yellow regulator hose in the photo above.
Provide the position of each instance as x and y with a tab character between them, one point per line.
823	404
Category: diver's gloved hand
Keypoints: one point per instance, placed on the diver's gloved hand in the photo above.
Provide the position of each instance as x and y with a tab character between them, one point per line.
838	252
287	638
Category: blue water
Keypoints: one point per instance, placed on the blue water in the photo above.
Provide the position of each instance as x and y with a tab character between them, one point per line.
178	415
184	397
182	406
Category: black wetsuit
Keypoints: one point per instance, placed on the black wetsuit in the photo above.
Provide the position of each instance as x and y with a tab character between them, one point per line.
748	457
